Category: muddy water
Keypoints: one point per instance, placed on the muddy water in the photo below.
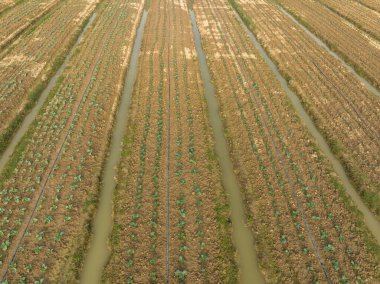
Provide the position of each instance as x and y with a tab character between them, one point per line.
99	252
4	158
370	220
241	234
363	81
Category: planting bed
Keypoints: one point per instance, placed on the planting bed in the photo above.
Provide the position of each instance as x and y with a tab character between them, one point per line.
49	189
168	167
304	227
372	4
366	19
14	21
359	50
29	63
344	110
6	4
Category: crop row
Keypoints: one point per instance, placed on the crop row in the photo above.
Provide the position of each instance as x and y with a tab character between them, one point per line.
27	67
302	226
342	108
362	52
372	4
4	5
15	20
361	16
171	172
48	190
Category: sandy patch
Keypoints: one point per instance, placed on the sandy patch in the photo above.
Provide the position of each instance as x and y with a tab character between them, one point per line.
36	68
181	4
189	54
83	14
14	59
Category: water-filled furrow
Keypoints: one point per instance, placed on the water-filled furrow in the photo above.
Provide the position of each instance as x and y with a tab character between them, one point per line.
99	252
241	234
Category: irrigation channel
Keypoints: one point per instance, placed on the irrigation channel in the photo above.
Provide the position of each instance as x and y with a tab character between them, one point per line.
370	220
98	253
29	118
241	234
168	164
363	81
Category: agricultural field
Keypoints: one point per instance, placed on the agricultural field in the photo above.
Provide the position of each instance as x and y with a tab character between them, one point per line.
49	188
168	67
342	108
361	16
357	48
29	62
4	5
14	21
296	206
189	141
372	4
